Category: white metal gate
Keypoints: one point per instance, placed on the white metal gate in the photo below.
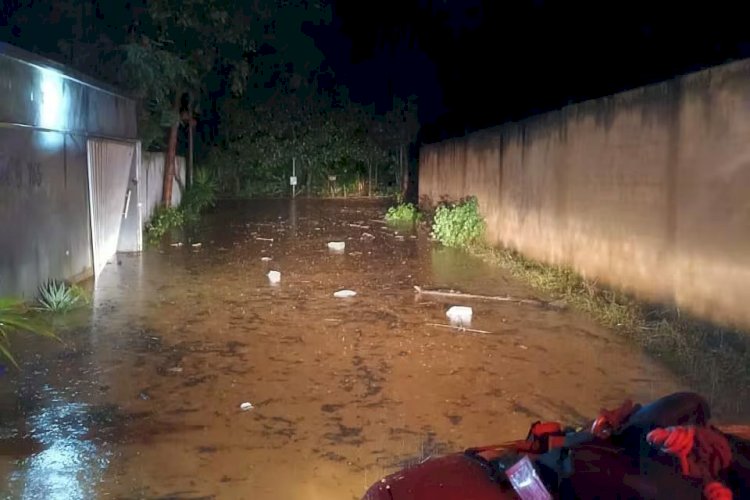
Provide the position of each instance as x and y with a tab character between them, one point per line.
110	165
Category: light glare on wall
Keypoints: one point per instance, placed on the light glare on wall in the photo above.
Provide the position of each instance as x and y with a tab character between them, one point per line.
52	104
52	108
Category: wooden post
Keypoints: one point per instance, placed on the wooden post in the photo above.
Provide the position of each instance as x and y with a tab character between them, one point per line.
169	162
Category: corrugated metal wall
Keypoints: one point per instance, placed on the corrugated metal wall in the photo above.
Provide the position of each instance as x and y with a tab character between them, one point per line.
131	230
47	114
58	130
44	214
110	164
35	92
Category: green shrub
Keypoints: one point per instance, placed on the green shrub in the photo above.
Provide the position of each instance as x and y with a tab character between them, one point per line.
201	195
162	221
14	317
403	213
83	296
58	297
458	224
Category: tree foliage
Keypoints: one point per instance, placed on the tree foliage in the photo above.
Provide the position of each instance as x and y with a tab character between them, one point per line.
153	49
325	134
254	74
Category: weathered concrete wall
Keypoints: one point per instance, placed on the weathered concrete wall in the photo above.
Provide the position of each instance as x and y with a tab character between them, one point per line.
151	182
647	190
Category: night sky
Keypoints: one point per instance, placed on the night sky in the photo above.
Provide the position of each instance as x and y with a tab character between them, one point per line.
477	63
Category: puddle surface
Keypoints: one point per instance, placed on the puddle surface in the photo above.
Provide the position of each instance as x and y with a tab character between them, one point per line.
142	401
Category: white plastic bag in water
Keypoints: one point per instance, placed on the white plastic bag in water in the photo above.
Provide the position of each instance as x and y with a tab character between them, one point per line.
274	277
337	246
343	294
460	315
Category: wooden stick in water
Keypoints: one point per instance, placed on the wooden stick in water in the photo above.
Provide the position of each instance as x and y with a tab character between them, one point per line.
460	328
462	295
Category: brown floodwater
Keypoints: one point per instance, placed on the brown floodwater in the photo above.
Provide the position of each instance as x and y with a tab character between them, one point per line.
142	398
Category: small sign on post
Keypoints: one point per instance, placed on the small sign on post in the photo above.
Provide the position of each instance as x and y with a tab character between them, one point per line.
293	178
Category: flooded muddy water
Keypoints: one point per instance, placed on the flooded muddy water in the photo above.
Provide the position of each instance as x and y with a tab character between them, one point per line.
142	399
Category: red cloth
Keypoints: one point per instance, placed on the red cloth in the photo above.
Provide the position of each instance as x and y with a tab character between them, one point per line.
703	453
611	420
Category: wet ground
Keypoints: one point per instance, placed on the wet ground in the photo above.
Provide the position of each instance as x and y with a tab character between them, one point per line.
142	400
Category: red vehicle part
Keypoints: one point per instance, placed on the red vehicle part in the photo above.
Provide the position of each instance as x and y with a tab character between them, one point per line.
620	456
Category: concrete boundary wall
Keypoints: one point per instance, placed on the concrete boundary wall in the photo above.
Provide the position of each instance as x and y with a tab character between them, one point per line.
648	190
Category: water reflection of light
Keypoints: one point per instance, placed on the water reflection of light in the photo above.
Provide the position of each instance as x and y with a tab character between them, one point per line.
293	216
70	466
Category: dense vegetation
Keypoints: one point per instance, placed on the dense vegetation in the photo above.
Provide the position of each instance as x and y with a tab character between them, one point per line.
246	77
403	213
459	224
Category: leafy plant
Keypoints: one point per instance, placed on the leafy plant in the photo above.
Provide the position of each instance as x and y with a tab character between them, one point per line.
201	194
162	221
58	297
14	317
403	213
459	224
78	291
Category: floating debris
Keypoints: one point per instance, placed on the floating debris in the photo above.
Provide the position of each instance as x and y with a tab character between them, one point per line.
265	259
454	293
196	245
274	277
263	239
178	244
343	294
460	328
247	406
337	246
460	315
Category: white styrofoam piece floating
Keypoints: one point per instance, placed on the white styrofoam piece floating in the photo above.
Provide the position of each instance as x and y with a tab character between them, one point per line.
343	294
337	246
460	315
274	276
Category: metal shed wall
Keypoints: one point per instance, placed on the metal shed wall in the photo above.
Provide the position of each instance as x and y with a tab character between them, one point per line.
47	114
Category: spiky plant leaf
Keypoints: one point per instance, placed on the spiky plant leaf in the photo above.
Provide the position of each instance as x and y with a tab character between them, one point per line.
14	318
